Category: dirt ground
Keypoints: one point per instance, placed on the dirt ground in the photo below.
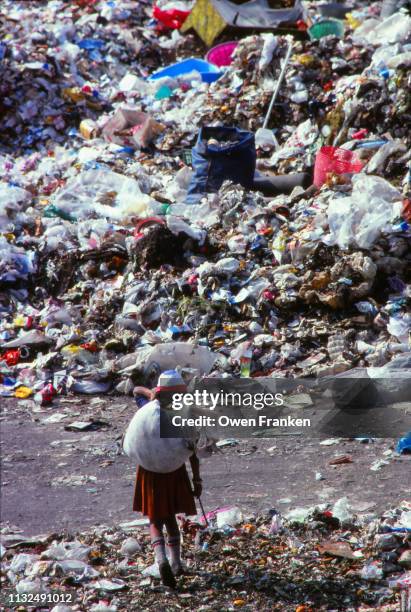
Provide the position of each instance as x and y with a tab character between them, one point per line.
54	479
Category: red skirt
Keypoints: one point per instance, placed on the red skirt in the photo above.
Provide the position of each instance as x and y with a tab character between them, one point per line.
159	496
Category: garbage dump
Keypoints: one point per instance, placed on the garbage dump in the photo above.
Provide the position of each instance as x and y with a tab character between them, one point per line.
244	218
92	147
317	558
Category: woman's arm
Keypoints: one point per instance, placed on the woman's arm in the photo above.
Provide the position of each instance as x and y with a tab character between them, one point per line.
195	468
142	395
148	393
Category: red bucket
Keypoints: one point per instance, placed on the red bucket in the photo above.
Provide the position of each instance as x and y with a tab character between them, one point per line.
337	161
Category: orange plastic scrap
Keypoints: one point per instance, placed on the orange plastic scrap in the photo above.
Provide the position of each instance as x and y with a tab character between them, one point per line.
238	603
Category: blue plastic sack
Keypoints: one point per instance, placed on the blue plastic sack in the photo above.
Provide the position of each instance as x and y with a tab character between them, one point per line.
234	160
404	444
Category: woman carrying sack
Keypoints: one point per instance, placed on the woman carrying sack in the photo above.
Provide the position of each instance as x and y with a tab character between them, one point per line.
161	495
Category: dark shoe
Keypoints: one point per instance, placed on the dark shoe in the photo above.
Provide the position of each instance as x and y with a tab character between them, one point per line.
166	574
177	570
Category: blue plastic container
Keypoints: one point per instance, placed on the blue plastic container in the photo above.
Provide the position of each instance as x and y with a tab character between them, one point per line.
209	72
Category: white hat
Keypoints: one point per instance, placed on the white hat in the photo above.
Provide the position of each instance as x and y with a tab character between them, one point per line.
171	381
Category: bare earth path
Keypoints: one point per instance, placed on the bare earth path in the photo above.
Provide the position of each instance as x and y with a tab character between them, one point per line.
54	479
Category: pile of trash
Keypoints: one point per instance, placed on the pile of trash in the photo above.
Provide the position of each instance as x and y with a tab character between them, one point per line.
312	559
120	258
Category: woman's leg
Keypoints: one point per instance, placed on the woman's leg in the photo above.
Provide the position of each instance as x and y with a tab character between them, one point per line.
173	544
157	541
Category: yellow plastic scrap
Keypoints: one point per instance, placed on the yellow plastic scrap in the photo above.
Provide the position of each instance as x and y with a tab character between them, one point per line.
23	392
71	348
205	20
305	59
19	321
352	21
73	94
280	242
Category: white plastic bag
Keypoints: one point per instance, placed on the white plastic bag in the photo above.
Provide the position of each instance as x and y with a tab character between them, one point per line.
265	138
169	355
341	510
360	219
85	193
77	568
143	443
21	562
269	47
31	587
177	225
229	516
61	551
395	28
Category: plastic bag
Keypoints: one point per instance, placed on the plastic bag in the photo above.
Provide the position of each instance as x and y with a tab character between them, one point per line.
177	225
265	138
399	327
379	159
78	568
31	587
141	127
229	516
130	547
269	47
143	443
371	572
220	154
67	550
361	218
84	194
396	28
170	355
298	515
341	510
15	262
22	562
171	18
12	198
334	160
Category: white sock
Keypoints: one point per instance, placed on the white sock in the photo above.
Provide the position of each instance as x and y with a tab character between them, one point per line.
173	546
159	549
